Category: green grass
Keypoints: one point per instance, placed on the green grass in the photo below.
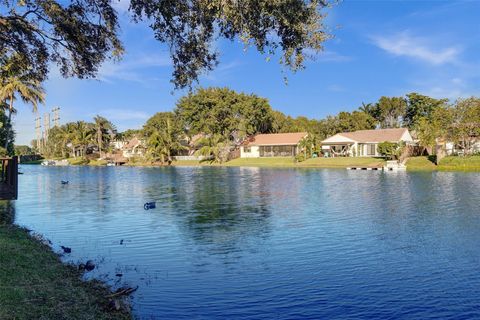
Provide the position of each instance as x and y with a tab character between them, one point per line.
35	284
450	163
261	162
79	161
343	162
468	163
421	164
33	162
290	163
97	162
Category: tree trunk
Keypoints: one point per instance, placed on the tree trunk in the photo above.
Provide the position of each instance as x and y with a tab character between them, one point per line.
9	124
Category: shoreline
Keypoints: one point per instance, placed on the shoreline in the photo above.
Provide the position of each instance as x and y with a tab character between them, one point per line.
415	164
37	284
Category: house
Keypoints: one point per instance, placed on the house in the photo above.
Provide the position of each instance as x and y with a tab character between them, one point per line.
272	145
134	147
363	143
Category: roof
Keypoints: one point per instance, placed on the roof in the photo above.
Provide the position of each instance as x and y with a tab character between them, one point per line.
133	143
292	138
378	135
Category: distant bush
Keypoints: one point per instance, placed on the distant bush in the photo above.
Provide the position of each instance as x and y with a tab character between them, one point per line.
390	150
300	157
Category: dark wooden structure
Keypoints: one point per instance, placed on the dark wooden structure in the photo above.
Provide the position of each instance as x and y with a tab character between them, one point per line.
9	179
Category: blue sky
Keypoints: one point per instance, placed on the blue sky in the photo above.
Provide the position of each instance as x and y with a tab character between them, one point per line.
379	48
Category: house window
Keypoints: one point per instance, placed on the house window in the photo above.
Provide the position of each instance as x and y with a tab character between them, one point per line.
247	149
371	149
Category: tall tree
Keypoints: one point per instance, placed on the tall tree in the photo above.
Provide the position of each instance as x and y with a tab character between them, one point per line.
29	90
221	111
82	135
390	111
163	134
79	35
420	106
104	131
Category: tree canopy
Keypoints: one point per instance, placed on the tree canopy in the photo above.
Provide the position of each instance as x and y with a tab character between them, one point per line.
79	35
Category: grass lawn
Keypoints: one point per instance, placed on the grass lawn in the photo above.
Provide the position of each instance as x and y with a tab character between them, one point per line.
290	163
35	284
421	164
468	163
261	162
342	162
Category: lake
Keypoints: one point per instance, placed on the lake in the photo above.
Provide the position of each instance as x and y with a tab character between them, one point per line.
257	243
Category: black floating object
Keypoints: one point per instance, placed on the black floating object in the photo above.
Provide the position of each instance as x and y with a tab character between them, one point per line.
119	274
150	205
66	249
64	181
90	265
121	241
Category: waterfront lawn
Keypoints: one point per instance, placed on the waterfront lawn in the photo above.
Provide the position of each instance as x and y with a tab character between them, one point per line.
35	284
261	162
340	162
423	163
343	162
460	163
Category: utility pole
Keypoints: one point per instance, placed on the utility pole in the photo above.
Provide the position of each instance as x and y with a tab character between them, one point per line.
38	133
56	116
46	126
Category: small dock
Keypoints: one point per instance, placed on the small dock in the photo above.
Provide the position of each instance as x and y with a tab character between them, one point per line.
9	179
365	168
391	165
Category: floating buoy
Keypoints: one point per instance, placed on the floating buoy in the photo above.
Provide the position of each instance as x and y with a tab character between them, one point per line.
64	181
150	205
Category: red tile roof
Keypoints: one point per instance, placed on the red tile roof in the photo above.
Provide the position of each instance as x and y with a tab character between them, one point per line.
272	139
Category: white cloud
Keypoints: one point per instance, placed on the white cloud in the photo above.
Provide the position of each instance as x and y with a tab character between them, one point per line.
129	69
403	44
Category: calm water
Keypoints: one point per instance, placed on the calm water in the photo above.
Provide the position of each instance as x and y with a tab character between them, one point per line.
250	243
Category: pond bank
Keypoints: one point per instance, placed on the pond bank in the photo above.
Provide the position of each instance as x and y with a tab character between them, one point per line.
35	284
450	163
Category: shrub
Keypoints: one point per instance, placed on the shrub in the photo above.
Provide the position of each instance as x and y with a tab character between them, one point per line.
300	157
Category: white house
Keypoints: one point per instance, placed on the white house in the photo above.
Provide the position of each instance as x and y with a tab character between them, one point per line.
363	143
272	145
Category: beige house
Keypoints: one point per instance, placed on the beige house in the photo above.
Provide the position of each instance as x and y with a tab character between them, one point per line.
272	145
363	143
134	147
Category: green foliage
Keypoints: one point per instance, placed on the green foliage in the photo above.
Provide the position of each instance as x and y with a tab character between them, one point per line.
104	133
163	134
221	111
300	157
214	148
420	107
23	150
390	150
80	35
16	82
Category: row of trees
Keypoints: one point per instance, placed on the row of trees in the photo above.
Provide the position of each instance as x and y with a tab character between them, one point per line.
74	138
223	118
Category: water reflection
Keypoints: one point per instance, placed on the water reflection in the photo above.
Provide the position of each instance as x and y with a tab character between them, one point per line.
262	243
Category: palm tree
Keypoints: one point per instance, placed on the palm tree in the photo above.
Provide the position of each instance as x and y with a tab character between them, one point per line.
30	91
103	131
83	135
213	147
162	143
